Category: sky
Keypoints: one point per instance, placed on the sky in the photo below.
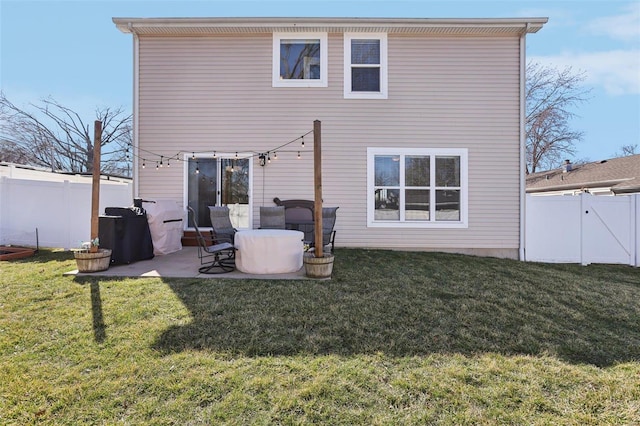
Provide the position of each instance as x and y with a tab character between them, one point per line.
72	51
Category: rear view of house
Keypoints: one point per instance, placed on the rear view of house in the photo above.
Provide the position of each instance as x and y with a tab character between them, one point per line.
422	123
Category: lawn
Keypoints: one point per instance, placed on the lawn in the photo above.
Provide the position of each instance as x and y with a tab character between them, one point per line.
393	338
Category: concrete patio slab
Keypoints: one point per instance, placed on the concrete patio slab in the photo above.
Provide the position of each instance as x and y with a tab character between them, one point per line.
181	264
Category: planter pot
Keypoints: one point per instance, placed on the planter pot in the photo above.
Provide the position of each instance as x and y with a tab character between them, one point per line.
318	267
93	262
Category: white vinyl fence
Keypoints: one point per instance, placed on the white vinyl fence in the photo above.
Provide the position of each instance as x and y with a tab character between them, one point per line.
60	211
583	229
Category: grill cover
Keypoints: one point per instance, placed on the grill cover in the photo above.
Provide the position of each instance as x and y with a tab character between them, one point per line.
166	224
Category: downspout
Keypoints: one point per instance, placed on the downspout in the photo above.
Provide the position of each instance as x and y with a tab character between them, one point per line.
523	142
136	110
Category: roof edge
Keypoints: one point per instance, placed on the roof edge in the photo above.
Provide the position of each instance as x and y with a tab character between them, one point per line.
214	25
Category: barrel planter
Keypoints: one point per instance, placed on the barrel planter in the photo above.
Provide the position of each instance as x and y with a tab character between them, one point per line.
318	267
93	262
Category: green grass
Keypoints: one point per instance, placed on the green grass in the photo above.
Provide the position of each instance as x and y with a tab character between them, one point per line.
393	338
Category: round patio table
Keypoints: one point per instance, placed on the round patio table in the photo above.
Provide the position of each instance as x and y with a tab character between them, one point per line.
268	251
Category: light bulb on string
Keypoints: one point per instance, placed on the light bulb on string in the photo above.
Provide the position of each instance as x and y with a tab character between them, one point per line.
168	165
143	164
236	154
275	155
197	168
268	158
303	141
157	165
214	154
161	161
298	155
193	155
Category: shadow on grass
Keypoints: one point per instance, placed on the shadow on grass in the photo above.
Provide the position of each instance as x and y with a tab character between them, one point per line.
99	327
405	304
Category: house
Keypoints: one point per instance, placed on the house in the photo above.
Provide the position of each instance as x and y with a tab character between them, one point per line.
422	123
615	176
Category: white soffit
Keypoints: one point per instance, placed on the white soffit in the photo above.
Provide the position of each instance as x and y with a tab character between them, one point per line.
204	26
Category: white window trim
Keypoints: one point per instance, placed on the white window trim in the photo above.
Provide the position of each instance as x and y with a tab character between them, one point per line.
464	187
322	82
383	93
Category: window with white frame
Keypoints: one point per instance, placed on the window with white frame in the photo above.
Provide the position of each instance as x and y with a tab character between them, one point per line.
365	65
417	187
300	60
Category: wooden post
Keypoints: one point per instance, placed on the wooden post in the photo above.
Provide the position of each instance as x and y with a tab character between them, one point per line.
317	180
95	183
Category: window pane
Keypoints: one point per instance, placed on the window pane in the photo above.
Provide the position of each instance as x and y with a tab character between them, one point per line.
416	204
365	79
365	51
202	188
387	170
234	191
300	59
447	171
387	207
448	205
416	170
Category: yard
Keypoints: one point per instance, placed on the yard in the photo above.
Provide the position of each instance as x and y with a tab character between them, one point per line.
393	338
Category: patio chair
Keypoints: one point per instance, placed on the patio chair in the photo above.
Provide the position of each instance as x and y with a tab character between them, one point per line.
217	258
328	223
223	230
272	217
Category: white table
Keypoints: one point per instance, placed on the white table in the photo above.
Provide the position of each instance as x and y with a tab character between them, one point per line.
268	251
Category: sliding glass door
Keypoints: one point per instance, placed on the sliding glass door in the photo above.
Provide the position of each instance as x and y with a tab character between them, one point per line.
219	181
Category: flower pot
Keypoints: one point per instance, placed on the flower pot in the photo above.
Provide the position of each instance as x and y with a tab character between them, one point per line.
93	262
318	267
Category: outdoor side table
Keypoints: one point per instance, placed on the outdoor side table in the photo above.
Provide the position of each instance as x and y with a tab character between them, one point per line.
269	251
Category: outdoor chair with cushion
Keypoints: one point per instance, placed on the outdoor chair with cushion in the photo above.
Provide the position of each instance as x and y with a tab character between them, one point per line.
223	230
272	217
217	258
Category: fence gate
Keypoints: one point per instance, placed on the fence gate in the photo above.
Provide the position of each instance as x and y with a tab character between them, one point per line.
583	229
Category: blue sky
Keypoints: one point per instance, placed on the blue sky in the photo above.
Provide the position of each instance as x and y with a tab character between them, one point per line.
72	51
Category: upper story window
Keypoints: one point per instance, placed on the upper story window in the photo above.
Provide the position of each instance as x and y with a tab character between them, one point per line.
416	187
300	60
365	65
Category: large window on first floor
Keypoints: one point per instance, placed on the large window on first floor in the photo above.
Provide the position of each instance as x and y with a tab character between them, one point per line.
417	187
218	181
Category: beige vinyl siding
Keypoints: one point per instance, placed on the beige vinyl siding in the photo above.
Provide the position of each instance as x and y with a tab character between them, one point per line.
214	93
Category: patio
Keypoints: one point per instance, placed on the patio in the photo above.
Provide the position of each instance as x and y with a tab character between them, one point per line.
180	264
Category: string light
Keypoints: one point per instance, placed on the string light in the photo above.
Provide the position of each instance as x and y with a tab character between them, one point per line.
267	155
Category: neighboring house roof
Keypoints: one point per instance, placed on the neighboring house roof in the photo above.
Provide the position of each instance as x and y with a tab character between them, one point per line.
621	175
183	26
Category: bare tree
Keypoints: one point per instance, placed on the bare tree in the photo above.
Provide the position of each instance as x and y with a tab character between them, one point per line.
627	150
56	137
550	94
